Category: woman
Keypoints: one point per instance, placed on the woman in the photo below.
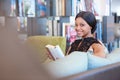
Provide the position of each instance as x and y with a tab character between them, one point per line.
85	26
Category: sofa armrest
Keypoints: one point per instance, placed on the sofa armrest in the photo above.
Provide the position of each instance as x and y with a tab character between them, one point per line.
108	72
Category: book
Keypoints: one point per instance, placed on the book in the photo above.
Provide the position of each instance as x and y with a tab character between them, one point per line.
54	51
68	31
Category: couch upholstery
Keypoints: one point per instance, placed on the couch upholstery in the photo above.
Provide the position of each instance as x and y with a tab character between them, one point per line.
69	65
108	72
39	43
78	62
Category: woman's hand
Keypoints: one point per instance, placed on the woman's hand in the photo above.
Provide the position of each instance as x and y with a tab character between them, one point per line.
49	56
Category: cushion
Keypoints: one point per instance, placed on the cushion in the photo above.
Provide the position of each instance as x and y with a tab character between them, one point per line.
116	50
95	61
71	64
114	56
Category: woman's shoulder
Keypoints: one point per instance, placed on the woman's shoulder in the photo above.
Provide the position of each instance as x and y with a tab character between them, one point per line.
105	48
100	46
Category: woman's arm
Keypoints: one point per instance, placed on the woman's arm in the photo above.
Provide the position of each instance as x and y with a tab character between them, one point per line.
68	51
98	50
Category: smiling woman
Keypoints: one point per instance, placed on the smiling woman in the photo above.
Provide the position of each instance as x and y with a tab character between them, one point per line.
85	26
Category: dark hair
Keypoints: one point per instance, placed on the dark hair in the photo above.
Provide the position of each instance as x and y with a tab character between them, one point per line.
89	18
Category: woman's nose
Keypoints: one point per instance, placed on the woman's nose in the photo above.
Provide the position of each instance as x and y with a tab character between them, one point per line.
77	28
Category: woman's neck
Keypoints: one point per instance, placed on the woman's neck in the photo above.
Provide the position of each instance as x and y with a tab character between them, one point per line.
91	35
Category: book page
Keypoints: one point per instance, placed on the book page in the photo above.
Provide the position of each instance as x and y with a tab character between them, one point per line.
58	52
55	51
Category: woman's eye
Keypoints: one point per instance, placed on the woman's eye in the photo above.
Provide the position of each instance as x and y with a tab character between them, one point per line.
76	25
81	25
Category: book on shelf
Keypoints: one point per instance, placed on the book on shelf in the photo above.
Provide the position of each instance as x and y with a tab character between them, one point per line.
41	8
68	31
53	28
50	28
58	7
54	52
77	6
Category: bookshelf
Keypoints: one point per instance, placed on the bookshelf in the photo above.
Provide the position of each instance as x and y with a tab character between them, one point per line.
51	24
57	13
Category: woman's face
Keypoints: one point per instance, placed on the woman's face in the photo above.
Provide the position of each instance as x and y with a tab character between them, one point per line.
82	28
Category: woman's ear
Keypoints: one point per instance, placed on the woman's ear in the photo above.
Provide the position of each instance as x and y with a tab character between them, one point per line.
91	28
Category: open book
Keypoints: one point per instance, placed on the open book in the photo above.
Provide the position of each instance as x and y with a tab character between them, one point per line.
55	51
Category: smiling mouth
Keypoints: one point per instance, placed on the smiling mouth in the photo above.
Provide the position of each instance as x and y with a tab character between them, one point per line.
79	32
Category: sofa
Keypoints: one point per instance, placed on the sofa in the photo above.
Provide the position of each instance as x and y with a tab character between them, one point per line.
79	62
73	65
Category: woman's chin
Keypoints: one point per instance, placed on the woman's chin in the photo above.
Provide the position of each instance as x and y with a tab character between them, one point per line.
79	35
